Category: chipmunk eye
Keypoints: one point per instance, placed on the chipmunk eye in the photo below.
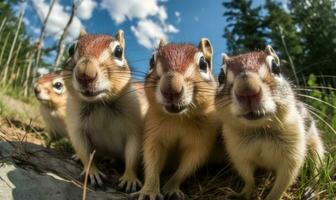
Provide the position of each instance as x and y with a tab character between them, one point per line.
275	68
71	50
221	77
58	85
151	63
118	51
203	65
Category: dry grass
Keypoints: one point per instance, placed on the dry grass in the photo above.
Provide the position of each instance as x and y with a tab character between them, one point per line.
211	182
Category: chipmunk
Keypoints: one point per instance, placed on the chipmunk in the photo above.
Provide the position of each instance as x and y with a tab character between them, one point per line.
50	92
104	110
264	125
181	121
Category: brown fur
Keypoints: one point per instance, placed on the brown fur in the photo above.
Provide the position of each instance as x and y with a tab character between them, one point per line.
248	61
277	141
93	45
99	122
53	108
189	135
176	57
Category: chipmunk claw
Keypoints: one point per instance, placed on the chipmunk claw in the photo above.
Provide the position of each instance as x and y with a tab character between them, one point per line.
174	195
145	196
95	176
129	184
75	158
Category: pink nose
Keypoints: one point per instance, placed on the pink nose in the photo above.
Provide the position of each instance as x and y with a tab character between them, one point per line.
249	97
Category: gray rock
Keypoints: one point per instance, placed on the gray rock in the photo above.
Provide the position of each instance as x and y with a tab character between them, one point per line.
32	172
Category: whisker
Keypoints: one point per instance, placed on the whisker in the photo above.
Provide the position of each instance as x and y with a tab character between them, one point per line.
316	99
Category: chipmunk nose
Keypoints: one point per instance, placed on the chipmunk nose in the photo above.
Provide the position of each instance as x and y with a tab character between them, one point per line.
247	89
37	90
171	87
86	73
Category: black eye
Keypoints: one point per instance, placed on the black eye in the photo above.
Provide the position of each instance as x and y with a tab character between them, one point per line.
203	65
58	85
118	51
221	77
151	63
71	50
275	68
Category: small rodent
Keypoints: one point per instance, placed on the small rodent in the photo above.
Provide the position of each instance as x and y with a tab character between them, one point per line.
51	93
104	110
180	123
264	125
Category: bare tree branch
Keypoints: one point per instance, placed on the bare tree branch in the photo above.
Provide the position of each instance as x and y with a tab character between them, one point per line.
60	46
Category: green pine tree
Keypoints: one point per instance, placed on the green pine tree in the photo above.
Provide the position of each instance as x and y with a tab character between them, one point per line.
316	20
283	35
244	30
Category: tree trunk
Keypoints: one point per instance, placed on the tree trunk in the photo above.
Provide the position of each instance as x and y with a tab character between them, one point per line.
13	76
28	75
41	37
4	49
60	46
4	78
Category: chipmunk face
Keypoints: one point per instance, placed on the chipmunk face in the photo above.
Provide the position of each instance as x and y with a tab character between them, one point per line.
97	68
248	87
49	90
180	76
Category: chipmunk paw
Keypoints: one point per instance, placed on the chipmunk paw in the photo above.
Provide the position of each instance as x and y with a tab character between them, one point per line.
129	184
95	176
174	195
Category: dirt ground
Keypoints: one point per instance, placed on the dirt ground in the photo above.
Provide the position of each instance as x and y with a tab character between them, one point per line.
22	147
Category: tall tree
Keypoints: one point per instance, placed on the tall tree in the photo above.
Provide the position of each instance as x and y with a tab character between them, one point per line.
284	35
316	20
244	29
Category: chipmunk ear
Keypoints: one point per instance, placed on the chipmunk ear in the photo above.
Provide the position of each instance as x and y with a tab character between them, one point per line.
225	57
270	51
206	48
120	37
82	32
162	42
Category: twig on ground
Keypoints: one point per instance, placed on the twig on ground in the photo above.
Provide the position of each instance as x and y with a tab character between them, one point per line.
87	174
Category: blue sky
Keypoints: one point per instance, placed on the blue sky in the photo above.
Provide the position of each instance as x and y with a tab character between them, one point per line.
177	20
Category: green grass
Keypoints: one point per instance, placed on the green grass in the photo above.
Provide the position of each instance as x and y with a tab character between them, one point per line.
3	110
323	109
17	93
322	103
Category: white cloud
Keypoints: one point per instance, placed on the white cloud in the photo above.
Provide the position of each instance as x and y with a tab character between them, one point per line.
148	33
178	16
85	9
120	10
170	29
59	17
152	17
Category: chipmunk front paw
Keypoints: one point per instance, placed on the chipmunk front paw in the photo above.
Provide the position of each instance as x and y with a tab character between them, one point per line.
146	195
129	184
174	195
95	176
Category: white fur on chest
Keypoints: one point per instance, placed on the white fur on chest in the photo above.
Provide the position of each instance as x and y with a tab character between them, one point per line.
107	130
54	122
266	151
